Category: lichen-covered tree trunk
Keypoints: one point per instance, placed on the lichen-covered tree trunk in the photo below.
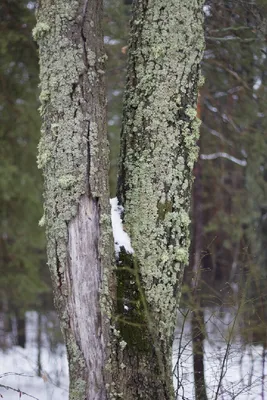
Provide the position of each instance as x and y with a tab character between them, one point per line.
73	153
129	359
158	151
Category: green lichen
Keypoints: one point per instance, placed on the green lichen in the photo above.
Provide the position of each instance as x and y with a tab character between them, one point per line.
77	368
63	148
182	255
43	159
201	81
73	150
67	181
91	57
164	208
157	51
44	96
191	112
40	30
54	129
159	148
123	344
78	391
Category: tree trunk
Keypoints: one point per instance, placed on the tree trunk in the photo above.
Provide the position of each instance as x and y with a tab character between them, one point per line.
39	344
198	320
198	337
195	266
21	329
73	153
158	150
158	153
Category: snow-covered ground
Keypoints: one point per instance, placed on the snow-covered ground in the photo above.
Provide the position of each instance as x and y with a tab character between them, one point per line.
18	368
241	368
243	377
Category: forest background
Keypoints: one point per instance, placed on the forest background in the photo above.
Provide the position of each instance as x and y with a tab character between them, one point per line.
229	203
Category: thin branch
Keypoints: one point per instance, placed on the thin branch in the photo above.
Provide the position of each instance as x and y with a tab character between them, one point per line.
230	38
213	156
229	344
17	374
18	391
232	28
217	134
231	72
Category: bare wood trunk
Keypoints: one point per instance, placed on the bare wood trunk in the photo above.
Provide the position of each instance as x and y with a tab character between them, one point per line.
73	153
158	150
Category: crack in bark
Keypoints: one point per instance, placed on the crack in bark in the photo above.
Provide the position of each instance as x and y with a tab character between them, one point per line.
88	156
60	275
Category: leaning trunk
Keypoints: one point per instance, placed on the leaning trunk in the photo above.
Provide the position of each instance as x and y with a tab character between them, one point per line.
158	150
73	153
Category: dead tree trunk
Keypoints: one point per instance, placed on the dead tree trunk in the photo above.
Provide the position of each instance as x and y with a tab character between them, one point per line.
73	153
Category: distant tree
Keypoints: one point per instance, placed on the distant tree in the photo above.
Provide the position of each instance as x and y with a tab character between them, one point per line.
116	30
119	327
228	257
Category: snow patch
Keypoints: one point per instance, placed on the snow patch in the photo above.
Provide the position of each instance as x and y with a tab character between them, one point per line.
109	40
257	83
121	238
19	367
207	10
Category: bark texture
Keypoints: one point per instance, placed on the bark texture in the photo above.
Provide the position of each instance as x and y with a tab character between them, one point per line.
158	151
73	153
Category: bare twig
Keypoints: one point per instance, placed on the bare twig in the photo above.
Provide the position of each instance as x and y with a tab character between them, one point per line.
18	391
219	154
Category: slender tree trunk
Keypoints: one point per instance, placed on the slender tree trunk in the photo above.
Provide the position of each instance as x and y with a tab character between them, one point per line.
158	150
198	337
21	329
73	153
39	344
195	265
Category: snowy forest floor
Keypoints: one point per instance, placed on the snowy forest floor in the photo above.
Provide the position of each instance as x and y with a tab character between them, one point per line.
241	368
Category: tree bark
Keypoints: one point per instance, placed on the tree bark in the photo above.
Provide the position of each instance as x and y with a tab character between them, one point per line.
158	150
21	329
131	358
73	153
198	320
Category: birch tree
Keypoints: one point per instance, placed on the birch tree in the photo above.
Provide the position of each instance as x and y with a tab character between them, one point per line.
118	317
